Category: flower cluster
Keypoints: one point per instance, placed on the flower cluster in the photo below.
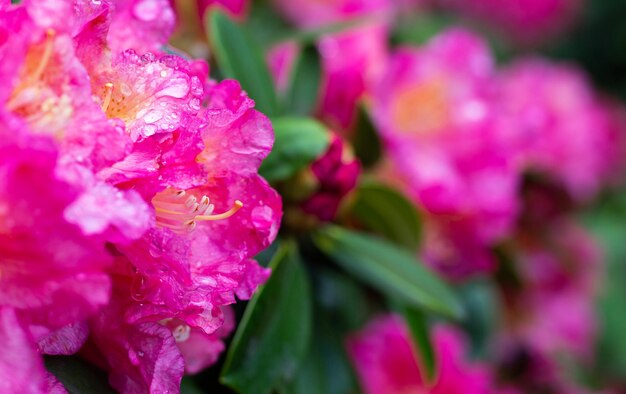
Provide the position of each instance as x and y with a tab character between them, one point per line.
461	138
496	158
130	203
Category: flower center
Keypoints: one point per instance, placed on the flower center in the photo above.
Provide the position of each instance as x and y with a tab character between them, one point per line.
36	99
179	211
421	108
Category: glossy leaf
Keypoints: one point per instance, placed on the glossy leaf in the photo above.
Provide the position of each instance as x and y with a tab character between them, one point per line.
367	145
418	327
304	88
274	332
298	142
326	368
387	212
239	58
393	271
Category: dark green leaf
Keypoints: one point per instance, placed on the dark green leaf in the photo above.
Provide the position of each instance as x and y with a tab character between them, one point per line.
274	332
392	270
387	212
367	146
78	376
326	369
304	88
188	386
267	26
480	300
239	58
344	298
418	326
298	142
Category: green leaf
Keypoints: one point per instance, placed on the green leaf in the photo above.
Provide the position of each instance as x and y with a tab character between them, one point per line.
188	386
392	270
418	327
78	376
239	58
304	88
387	212
298	142
481	301
326	368
274	332
367	146
343	298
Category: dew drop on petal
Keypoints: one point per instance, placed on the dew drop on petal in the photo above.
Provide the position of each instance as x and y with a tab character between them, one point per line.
262	217
177	88
153	116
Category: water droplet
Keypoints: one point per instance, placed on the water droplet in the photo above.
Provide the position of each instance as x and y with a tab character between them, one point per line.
138	288
125	89
153	116
149	130
177	88
194	104
146	10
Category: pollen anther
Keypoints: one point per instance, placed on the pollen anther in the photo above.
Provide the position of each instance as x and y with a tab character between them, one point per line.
108	93
47	54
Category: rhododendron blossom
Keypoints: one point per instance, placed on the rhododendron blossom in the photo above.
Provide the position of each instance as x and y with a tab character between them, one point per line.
386	361
435	111
353	59
563	128
154	208
527	21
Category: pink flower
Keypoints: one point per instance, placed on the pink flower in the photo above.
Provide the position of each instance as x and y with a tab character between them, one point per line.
315	13
435	111
526	21
150	177
336	173
237	8
352	63
386	362
21	368
564	130
141	25
198	255
555	308
281	59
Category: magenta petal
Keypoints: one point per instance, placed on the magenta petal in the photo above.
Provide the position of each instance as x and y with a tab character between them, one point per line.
142	25
142	357
65	340
21	368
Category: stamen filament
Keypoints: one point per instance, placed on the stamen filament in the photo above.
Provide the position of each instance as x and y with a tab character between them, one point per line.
47	54
108	93
236	206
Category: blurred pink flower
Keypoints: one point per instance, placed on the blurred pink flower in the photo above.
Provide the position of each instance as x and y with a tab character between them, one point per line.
527	21
315	13
336	173
352	63
236	8
562	127
140	25
554	311
386	362
281	60
435	111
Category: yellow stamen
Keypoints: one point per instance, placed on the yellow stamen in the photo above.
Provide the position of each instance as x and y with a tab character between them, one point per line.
236	206
108	93
47	54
